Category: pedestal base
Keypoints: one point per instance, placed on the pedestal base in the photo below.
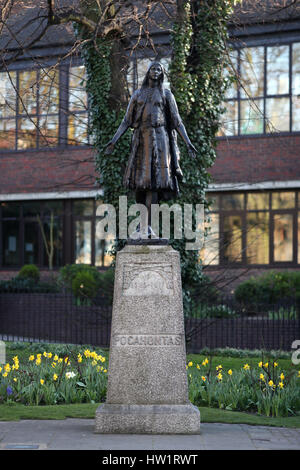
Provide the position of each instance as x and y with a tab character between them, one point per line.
147	419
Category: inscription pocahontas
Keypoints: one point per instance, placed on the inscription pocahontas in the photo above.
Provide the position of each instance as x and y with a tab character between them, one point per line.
147	340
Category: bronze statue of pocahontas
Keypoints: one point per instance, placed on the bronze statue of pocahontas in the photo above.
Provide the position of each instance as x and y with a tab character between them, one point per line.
153	169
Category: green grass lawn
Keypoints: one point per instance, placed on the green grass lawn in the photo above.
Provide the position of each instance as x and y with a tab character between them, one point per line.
208	415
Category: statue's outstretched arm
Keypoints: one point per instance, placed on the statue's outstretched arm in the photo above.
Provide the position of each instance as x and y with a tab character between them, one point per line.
182	132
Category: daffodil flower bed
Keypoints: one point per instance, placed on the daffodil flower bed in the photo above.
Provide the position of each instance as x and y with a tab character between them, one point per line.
47	379
263	389
81	377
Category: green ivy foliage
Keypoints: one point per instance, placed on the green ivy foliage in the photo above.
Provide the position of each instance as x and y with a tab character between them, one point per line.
197	81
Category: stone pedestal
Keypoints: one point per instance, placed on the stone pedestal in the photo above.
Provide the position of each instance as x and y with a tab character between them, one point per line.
147	381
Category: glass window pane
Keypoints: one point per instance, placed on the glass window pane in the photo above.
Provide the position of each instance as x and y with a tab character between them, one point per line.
83	252
28	92
77	92
277	114
252	117
277	70
11	248
48	91
296	113
252	72
48	131
296	69
232	239
83	207
257	246
257	201
296	87
8	84
283	200
27	132
10	209
283	237
213	199
57	240
78	129
56	207
8	134
31	209
210	252
31	246
231	92
233	201
229	120
102	248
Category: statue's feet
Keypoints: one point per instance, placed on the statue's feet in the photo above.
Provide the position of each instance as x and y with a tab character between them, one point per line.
143	234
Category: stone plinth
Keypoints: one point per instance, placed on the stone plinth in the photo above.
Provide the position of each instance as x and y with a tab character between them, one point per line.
147	381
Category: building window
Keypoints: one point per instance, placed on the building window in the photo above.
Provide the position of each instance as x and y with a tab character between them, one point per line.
253	228
89	248
45	107
23	227
25	224
266	98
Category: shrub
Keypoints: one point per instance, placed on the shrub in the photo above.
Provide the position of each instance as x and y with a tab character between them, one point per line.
84	287
29	271
269	288
213	311
68	273
106	285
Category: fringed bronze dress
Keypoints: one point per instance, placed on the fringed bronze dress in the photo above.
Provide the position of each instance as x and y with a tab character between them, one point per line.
154	156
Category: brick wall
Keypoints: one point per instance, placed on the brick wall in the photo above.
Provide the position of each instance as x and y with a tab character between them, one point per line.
253	160
37	171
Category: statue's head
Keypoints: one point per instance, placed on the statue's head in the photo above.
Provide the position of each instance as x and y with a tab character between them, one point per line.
155	72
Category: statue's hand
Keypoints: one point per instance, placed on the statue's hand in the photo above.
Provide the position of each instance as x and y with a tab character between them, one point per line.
109	148
192	151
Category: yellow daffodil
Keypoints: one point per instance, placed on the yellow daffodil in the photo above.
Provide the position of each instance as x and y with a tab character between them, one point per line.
38	361
205	362
59	360
66	360
0	369
53	364
219	367
7	368
190	364
94	363
45	354
298	373
262	377
31	357
266	365
281	376
105	370
271	383
246	367
15	379
55	357
55	377
281	385
198	367
42	381
275	364
49	355
5	374
87	353
230	372
79	357
220	376
260	364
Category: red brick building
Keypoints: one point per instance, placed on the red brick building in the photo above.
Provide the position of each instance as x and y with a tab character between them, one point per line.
47	162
